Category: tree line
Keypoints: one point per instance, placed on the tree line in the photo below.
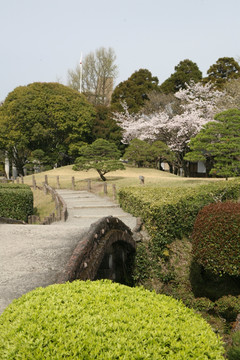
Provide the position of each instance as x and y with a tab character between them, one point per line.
43	125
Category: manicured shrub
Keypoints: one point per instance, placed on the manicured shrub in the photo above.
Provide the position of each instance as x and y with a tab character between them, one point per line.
102	320
203	304
171	212
216	238
13	186
16	201
228	307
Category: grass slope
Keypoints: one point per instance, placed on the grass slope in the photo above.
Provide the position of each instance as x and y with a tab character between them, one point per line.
127	177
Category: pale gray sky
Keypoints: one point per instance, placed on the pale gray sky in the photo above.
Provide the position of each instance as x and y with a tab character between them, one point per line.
42	39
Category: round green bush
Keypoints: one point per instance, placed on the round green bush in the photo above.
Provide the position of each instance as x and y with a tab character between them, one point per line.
228	307
216	238
103	320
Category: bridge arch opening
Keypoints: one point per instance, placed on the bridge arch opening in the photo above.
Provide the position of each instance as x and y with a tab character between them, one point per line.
107	251
117	264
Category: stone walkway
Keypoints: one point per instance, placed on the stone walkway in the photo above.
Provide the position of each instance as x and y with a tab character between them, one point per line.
34	255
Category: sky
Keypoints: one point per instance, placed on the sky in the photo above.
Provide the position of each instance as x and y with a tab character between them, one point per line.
42	39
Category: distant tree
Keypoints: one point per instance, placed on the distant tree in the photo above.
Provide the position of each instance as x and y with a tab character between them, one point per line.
139	152
134	91
160	153
99	72
185	72
223	70
38	161
45	116
219	142
101	155
105	127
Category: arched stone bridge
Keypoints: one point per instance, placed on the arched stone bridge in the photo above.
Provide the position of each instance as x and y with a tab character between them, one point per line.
105	252
95	242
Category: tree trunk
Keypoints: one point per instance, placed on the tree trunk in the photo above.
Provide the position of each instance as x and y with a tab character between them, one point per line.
101	175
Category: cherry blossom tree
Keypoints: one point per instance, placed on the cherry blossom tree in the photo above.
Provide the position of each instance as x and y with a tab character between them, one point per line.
140	126
199	105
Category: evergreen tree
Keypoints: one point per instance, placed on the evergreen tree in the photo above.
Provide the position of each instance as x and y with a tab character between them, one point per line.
105	127
185	72
134	91
139	152
101	155
219	143
225	69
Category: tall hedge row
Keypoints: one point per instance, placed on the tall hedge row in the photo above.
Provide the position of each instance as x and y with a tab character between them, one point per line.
16	201
105	321
170	213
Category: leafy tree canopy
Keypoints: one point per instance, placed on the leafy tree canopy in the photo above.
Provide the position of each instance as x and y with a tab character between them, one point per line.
101	155
223	70
45	116
219	142
143	154
105	127
185	72
134	91
162	153
139	152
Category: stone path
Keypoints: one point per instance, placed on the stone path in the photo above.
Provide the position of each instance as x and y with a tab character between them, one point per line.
34	255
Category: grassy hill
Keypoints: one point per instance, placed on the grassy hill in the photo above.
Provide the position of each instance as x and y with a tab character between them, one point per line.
127	177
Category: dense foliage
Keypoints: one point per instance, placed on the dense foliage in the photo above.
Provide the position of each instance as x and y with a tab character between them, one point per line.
143	154
218	144
228	307
234	352
168	214
134	91
185	72
45	116
16	201
102	320
172	211
105	127
216	238
225	69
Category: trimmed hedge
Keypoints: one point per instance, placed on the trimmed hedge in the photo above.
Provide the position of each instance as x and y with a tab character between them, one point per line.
16	201
13	186
104	320
170	213
216	238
